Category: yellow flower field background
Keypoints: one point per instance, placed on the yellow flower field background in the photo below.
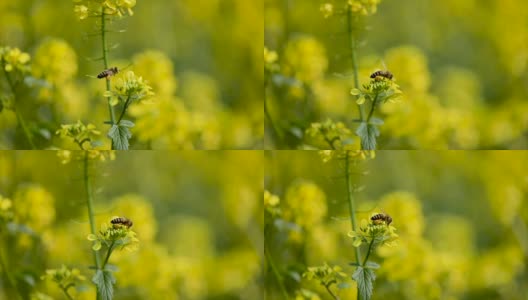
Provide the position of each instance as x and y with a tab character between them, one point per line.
460	218
461	66
199	235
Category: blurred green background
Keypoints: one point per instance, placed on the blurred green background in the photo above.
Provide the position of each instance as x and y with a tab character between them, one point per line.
203	59
461	217
462	66
198	217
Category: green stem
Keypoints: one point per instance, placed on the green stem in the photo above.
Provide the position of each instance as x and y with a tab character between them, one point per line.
275	129
351	207
276	273
10	279
65	290
372	108
351	202
125	107
110	249
368	252
105	60
89	201
330	292
19	117
353	55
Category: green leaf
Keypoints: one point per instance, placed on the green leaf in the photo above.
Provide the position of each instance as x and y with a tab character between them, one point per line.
367	134
372	265
119	135
126	123
104	280
355	92
376	121
365	282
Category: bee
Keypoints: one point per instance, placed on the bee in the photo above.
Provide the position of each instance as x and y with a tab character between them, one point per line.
122	221
108	72
379	73
378	218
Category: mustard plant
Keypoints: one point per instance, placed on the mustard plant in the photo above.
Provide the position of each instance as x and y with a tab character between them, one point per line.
372	233
65	278
16	68
128	89
379	90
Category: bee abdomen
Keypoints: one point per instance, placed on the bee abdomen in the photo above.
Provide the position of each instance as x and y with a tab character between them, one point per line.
108	72
122	221
386	74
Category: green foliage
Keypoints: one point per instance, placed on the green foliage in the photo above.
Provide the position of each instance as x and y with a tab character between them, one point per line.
365	278
104	280
368	134
120	134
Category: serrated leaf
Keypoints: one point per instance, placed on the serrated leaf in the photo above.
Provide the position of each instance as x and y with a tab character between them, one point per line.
104	280
365	282
367	134
127	123
120	135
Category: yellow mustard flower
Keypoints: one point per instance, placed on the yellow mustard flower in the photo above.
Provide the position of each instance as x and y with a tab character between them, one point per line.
35	207
305	203
12	59
56	61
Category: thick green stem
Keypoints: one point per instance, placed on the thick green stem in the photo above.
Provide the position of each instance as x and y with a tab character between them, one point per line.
276	272
351	206
105	60
19	117
353	55
351	202
89	201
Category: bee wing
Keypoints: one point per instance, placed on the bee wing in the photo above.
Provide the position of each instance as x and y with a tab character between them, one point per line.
91	76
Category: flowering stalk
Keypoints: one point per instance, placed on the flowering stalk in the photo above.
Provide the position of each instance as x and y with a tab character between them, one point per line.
351	202
105	61
19	117
353	55
89	201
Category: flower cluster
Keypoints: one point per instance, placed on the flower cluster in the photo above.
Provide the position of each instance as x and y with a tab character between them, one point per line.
271	203
80	133
353	155
14	60
66	278
6	212
67	156
56	61
374	233
86	8
327	9
329	134
326	275
130	88
114	236
379	90
364	7
270	61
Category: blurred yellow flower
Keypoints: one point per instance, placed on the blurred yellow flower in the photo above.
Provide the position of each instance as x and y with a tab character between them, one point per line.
14	59
157	68
56	61
35	207
305	203
305	59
